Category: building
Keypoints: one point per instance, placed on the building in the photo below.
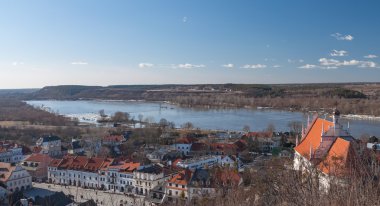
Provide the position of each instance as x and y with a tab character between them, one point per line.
80	171
15	178
75	147
206	183
200	162
177	186
184	145
113	140
148	177
37	166
327	146
156	195
3	195
120	176
10	152
230	161
201	184
50	145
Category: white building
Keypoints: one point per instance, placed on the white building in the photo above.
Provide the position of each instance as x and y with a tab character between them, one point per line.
15	178
184	145
120	176
79	171
96	173
148	177
200	162
10	152
230	161
50	145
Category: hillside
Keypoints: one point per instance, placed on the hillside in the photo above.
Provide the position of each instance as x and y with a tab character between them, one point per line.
355	98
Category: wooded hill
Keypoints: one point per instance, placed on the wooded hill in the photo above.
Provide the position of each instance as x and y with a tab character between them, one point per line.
354	98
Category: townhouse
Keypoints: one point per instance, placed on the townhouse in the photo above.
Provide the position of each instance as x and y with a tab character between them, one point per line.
120	176
14	177
150	176
79	171
177	186
37	166
10	152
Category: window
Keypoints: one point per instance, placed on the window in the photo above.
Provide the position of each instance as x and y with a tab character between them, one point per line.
183	186
176	185
170	184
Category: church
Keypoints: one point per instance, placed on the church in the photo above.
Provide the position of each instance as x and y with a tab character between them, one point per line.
327	147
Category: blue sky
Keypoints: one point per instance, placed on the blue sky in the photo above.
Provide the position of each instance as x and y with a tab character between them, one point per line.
93	42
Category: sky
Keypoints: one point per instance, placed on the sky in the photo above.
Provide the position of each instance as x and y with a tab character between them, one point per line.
114	42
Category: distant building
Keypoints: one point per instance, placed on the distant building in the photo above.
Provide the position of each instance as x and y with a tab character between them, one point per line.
15	178
184	145
199	162
113	140
75	147
50	145
37	166
10	152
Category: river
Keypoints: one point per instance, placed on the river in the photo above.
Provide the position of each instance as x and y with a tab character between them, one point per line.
219	119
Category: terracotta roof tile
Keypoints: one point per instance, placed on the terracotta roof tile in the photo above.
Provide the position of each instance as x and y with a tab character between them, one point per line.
335	162
313	137
38	158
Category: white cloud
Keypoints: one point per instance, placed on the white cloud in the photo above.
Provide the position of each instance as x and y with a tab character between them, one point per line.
190	66
254	66
184	19
370	56
276	66
367	64
228	65
333	63
17	63
79	63
342	37
338	53
308	66
146	65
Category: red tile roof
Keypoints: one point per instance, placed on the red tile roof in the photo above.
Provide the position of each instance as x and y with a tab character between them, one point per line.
125	166
92	164
182	178
38	158
55	162
337	159
313	137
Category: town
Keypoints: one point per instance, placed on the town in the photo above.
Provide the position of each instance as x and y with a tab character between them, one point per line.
180	166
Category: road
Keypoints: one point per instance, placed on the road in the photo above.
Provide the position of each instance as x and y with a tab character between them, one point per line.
81	195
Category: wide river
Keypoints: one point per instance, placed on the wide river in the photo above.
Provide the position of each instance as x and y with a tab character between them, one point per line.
220	119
